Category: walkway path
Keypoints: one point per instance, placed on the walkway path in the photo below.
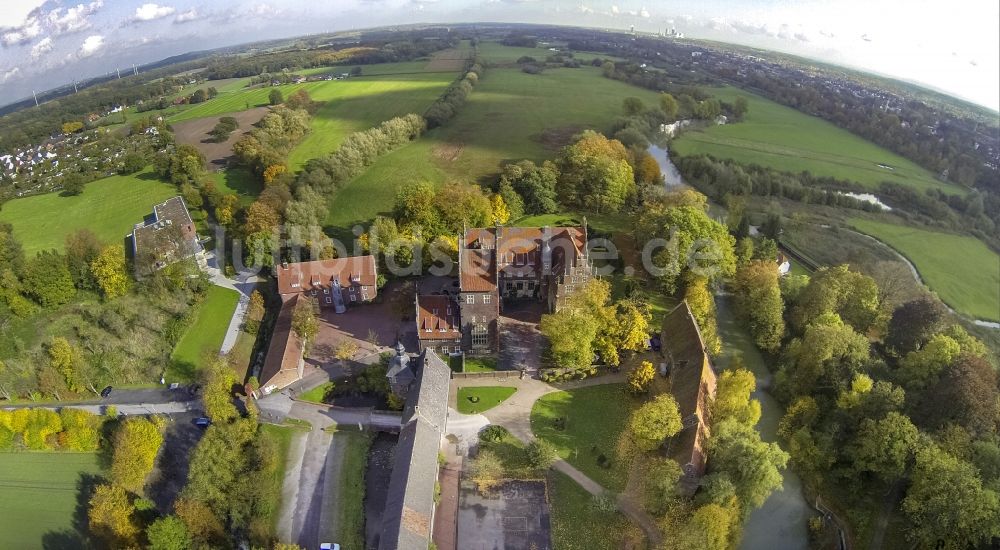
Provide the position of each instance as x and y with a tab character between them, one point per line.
515	415
244	283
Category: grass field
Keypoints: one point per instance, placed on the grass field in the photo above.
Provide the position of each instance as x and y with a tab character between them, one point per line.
961	269
592	422
41	495
480	364
317	394
495	52
474	400
109	207
510	116
240	181
349	506
576	524
281	436
203	337
781	137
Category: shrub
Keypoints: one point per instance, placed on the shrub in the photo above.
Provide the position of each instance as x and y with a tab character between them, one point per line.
493	433
604	502
541	454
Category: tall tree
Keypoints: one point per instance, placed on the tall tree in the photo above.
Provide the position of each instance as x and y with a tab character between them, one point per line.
852	295
47	279
112	516
168	533
669	106
82	246
653	422
828	355
595	173
737	453
111	271
913	324
759	303
702	304
733	396
966	394
885	447
137	442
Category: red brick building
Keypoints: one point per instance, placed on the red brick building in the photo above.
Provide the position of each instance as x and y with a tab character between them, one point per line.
439	324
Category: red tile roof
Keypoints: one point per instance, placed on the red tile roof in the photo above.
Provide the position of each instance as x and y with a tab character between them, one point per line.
514	250
298	277
440	314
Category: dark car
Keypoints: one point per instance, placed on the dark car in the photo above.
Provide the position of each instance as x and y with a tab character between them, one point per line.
106	392
202	421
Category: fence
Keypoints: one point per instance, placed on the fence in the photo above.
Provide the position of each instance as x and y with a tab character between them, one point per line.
497	374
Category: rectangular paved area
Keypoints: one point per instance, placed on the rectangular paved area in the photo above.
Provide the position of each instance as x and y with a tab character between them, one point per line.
514	516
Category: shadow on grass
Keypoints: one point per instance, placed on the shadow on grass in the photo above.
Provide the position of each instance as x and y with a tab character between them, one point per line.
77	537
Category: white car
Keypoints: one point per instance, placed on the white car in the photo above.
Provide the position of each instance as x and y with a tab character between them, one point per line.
329	546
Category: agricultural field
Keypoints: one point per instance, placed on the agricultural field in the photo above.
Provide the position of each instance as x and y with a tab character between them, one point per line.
109	207
584	425
785	139
203	338
511	115
962	270
42	496
495	52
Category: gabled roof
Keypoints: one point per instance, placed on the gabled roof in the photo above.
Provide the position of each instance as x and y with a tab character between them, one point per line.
281	364
519	251
303	276
438	318
409	510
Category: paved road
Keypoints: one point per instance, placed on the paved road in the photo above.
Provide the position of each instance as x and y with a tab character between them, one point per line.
119	398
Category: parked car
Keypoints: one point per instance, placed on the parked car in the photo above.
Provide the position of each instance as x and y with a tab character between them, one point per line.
106	392
203	421
329	546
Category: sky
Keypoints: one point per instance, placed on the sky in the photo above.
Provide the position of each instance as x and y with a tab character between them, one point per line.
951	46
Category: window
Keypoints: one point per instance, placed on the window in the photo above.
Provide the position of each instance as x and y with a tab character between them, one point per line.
470	298
354	298
326	291
520	285
329	300
486	298
364	295
480	335
531	285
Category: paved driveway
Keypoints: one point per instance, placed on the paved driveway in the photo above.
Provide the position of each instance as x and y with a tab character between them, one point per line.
520	340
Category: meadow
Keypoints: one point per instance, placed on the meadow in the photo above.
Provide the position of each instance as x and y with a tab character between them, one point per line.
780	137
962	270
41	496
203	338
109	207
510	116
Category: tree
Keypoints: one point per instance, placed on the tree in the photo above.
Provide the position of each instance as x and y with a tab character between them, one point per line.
273	171
255	312
72	127
694	242
275	97
759	303
913	324
513	201
67	360
740	107
660	485
966	394
699	298
631	326
608	69
920	368
501	214
829	354
595	173
304	322
633	106
261	217
711	527
111	271
669	106
415	205
571	334
111	516
733	395
199	96
536	184
200	520
47	279
82	246
640	377
486	470
137	442
461	204
541	453
654	422
168	533
753	466
947	505
885	447
217	394
356	71
851	295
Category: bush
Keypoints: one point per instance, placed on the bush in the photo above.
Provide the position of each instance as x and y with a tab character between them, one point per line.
604	502
541	454
493	433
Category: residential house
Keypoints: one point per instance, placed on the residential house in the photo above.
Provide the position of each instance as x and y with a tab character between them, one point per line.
333	284
408	516
166	236
516	263
692	383
439	326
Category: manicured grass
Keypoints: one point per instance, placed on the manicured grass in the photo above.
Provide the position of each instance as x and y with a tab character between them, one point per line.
786	139
961	269
203	338
576	524
239	181
511	115
350	504
584	424
42	493
513	457
281	436
480	364
474	400
317	394
109	207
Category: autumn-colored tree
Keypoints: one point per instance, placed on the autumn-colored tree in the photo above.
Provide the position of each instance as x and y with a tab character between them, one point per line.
647	170
669	106
699	298
486	471
595	173
304	322
137	442
72	127
631	329
640	377
345	351
111	271
759	303
273	171
733	395
201	521
261	216
66	359
111	516
501	214
217	394
653	422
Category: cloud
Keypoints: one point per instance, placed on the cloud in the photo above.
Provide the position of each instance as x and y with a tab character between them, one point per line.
614	10
43	47
7	75
74	19
585	9
90	46
151	12
188	16
644	13
30	28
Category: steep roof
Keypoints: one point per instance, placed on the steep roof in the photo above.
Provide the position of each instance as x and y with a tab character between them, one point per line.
437	318
518	251
409	510
281	364
301	276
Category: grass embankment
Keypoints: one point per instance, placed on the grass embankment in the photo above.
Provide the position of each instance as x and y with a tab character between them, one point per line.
474	400
42	496
109	207
203	338
785	139
510	115
961	269
350	508
584	425
281	438
576	524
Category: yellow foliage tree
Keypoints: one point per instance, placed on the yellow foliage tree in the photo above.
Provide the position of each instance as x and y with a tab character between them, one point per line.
66	358
199	518
273	171
72	127
111	271
501	213
732	397
640	377
218	392
136	445
111	516
702	304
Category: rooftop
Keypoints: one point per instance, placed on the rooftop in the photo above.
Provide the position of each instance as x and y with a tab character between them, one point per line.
302	276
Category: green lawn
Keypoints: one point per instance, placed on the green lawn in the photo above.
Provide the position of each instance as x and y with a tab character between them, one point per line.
592	420
239	181
203	337
317	394
42	495
963	271
480	364
511	115
281	436
109	207
576	524
474	400
786	139
495	52
349	506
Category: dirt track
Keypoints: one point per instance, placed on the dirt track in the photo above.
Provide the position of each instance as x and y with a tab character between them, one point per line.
195	132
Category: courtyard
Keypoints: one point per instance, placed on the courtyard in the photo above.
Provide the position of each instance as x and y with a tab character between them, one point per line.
514	516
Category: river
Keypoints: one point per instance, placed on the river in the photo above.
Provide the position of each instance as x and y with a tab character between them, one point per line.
671	177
